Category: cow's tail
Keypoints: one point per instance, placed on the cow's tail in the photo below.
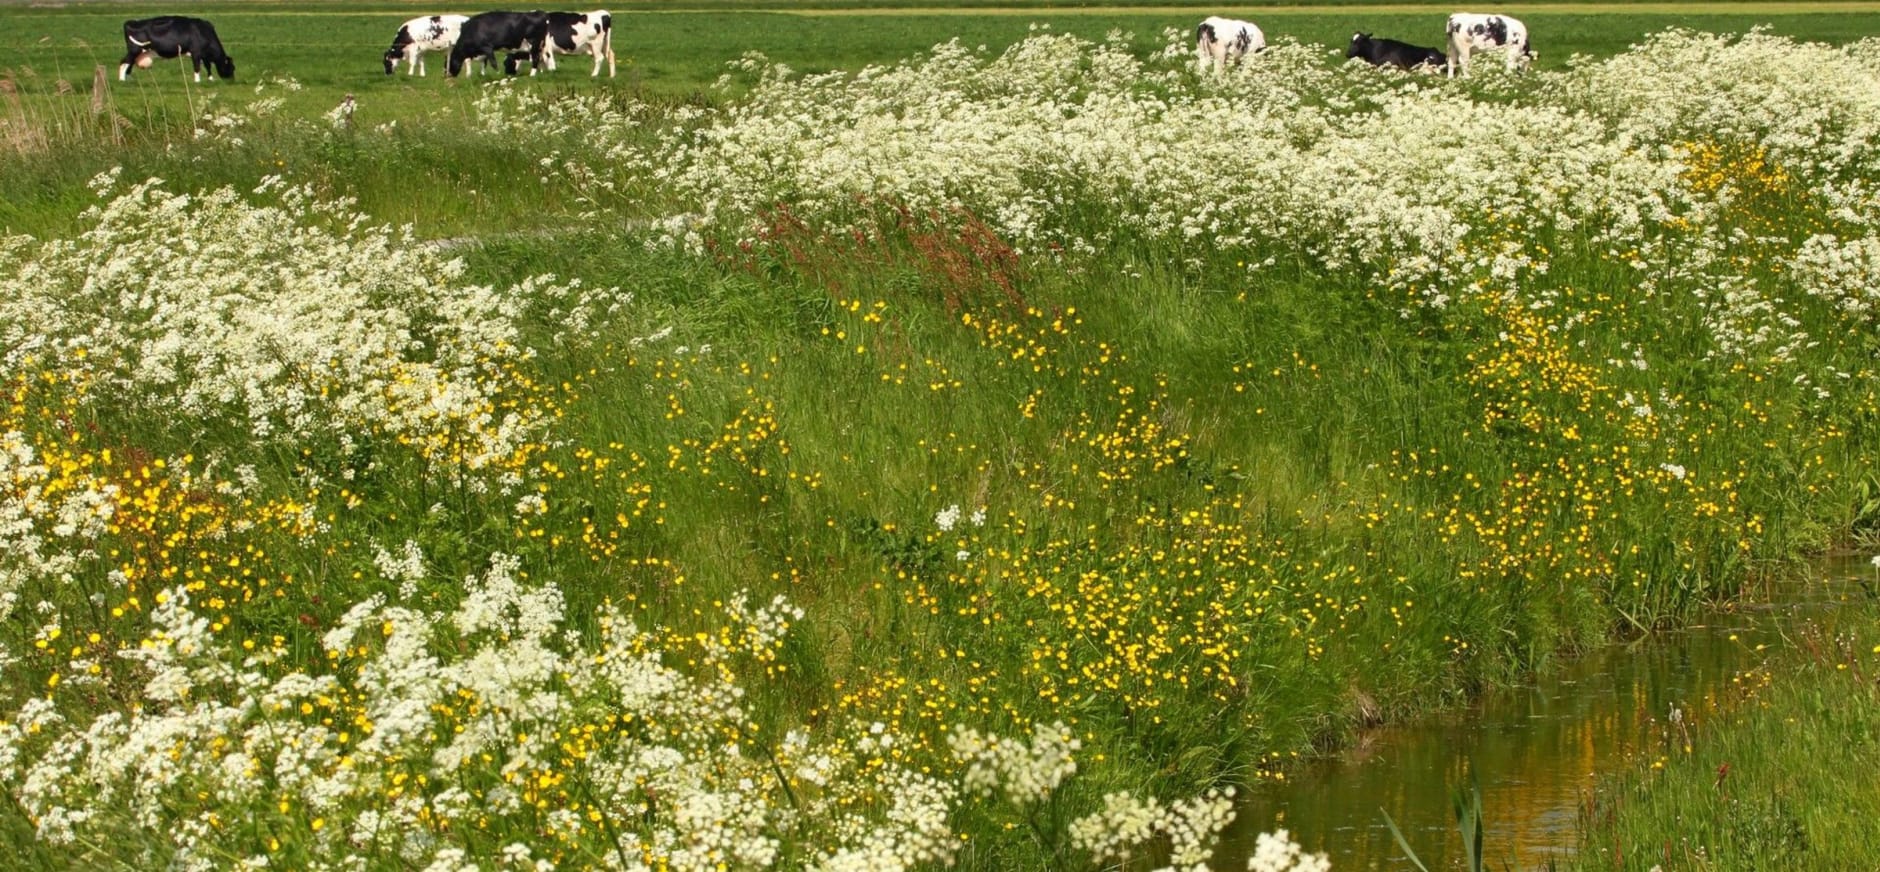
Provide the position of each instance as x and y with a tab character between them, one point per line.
607	41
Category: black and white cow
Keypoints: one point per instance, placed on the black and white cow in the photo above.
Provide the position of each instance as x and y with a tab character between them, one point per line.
419	35
172	36
577	32
488	33
1469	32
1390	52
1223	41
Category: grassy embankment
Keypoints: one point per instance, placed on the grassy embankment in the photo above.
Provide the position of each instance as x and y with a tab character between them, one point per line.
1772	778
1237	495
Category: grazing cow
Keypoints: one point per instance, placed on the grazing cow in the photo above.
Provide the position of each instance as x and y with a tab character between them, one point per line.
419	35
1471	33
172	36
1222	41
575	32
1390	52
488	33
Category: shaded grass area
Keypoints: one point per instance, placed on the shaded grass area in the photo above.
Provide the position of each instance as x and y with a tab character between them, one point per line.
1780	780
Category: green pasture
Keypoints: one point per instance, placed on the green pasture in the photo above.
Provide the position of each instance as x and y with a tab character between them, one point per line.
335	47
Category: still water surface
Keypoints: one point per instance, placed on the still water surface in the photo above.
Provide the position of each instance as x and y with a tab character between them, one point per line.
1537	750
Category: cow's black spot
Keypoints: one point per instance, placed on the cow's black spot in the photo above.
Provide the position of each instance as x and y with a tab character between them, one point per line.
1498	30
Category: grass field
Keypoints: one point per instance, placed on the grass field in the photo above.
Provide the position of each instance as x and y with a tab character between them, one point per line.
987	456
338	45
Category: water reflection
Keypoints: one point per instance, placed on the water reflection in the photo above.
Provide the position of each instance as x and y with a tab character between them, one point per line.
1537	750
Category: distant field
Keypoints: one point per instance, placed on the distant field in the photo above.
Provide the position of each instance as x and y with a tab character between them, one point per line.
668	53
336	46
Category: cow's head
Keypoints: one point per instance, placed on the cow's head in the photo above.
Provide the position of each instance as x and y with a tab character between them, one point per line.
225	68
1358	43
392	56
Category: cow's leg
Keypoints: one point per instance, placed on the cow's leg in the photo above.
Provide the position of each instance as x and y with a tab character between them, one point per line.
130	60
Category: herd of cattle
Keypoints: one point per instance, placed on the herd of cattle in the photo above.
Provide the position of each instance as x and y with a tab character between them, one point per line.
537	36
1220	42
540	36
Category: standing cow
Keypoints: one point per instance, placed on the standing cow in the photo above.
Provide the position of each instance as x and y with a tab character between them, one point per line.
489	33
1390	52
576	32
419	35
172	36
1223	41
1469	32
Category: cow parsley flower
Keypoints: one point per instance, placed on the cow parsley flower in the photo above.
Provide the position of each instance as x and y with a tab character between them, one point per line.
1024	773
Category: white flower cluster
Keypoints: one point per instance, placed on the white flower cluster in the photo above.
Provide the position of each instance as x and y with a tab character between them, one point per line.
911	829
1815	107
290	321
1024	773
1068	147
413	729
1288	159
1845	274
421	724
1277	852
1128	825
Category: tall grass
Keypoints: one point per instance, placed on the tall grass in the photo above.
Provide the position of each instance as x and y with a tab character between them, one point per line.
1770	779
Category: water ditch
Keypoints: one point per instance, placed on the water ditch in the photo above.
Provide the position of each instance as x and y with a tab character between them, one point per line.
1538	750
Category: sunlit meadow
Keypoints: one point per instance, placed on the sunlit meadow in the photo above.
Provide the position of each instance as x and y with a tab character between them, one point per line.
991	459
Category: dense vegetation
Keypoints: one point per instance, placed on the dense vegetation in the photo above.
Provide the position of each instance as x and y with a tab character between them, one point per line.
932	462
